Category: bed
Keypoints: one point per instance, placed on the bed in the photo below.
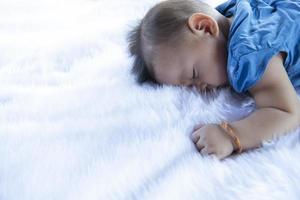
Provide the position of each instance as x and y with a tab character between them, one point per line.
75	125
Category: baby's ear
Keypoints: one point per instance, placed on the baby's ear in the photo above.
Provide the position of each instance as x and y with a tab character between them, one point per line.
200	23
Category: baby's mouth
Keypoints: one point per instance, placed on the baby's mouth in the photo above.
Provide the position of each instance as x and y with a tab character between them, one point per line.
208	87
204	90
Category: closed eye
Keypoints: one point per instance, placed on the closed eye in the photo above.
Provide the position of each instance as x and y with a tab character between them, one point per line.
194	73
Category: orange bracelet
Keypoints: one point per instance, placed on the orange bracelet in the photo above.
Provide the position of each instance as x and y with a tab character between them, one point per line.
227	128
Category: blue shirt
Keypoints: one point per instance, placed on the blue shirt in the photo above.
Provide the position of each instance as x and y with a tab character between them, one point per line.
261	29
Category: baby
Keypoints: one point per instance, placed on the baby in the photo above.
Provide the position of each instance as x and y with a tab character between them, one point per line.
251	46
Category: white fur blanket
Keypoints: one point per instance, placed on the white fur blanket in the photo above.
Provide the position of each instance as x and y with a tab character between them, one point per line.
75	126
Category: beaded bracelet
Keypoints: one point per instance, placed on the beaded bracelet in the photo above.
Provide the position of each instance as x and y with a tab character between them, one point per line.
227	128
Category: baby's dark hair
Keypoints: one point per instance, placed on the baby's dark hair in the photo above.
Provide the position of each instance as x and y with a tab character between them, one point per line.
163	24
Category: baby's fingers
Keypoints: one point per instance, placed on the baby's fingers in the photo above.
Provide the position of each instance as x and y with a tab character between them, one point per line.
195	136
204	151
197	127
200	145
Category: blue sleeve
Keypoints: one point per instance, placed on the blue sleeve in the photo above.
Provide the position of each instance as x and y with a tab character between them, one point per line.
250	69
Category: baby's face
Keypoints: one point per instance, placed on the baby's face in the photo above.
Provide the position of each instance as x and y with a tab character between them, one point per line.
200	63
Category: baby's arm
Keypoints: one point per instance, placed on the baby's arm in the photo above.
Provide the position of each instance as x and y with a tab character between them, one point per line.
278	107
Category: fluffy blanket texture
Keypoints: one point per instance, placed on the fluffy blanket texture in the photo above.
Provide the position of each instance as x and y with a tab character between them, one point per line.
74	125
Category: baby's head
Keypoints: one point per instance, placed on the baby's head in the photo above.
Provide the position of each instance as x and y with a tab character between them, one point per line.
181	42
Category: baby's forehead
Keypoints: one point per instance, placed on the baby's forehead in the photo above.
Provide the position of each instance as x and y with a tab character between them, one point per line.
168	72
165	54
168	64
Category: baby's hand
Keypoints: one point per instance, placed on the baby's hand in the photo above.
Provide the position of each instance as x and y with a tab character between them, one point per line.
211	139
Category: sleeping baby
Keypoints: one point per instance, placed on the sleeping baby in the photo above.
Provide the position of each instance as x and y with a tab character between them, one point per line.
251	46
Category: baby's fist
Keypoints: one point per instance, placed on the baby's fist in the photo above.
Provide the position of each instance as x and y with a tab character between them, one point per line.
211	139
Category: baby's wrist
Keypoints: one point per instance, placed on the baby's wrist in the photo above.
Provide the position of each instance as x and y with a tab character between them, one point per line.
246	141
234	138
